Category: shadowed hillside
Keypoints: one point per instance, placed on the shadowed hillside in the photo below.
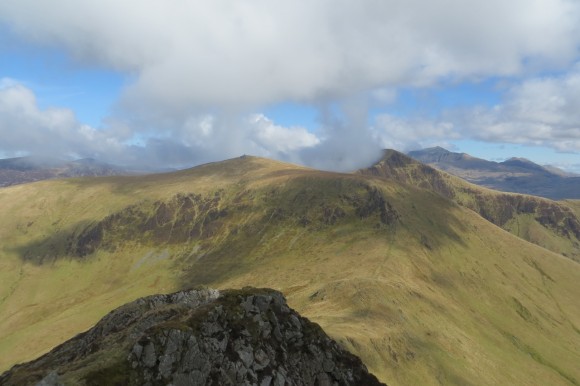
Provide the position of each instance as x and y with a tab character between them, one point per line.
425	291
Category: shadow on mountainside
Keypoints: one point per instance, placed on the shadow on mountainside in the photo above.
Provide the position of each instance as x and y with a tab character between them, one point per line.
236	222
497	207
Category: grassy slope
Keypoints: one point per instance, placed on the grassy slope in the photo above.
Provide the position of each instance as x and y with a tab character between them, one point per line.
425	291
549	224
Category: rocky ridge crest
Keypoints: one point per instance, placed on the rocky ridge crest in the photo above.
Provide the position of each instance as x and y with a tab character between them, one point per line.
198	337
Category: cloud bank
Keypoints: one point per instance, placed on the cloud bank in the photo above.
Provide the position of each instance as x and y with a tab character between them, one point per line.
201	70
187	52
27	128
542	111
538	111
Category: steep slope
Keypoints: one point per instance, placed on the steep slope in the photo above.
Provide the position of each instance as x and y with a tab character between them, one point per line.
198	337
517	175
423	290
552	225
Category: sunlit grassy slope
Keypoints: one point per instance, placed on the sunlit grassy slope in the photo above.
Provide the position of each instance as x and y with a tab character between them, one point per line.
424	290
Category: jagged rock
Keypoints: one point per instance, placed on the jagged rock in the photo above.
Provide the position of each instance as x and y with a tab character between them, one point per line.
198	337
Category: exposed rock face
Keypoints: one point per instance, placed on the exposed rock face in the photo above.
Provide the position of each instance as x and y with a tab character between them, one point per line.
198	337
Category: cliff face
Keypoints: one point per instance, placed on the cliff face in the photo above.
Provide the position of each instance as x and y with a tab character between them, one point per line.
198	337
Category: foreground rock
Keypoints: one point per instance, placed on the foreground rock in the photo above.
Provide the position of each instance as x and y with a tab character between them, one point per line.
198	337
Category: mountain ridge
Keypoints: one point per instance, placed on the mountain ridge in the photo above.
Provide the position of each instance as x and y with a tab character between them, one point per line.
517	175
538	220
424	290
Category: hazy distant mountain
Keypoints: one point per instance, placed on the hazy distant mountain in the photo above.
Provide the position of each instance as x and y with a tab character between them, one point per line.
21	170
517	175
559	172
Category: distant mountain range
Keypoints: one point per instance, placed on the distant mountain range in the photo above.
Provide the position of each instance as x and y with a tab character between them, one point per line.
14	171
517	175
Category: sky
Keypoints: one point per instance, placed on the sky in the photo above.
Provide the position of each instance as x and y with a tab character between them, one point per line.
324	83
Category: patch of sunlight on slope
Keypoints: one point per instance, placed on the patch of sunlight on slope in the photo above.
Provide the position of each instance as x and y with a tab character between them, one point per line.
48	305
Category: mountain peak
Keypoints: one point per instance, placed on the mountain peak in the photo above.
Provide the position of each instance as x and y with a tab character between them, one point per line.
88	161
394	157
437	154
519	159
525	164
437	149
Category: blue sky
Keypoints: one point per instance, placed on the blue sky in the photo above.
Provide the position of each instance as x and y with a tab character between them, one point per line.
319	83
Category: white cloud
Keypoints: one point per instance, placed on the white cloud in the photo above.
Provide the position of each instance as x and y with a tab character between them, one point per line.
278	139
24	127
346	143
7	82
198	67
543	111
538	111
409	134
230	135
228	52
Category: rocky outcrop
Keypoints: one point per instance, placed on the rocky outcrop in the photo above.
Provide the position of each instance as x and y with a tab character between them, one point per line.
198	337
